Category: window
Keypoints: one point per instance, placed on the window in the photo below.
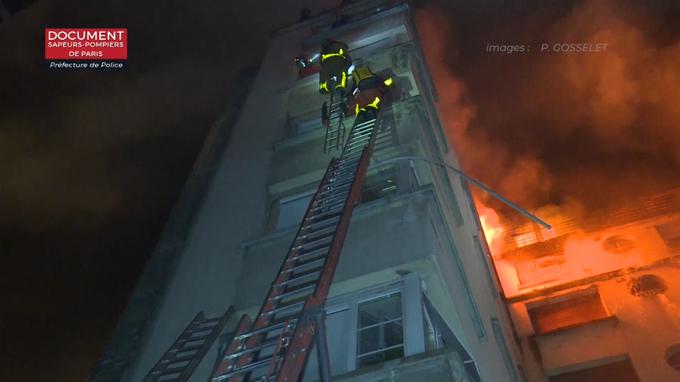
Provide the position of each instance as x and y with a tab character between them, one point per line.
291	209
566	311
619	371
384	323
670	233
380	331
305	123
379	185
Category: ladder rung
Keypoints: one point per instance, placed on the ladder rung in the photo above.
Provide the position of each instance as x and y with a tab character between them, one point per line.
327	214
346	165
345	173
290	291
179	359
214	319
309	287
332	199
245	369
311	254
339	182
328	208
334	189
365	123
324	241
345	161
355	150
305	265
321	223
358	134
317	232
285	308
202	330
297	278
260	346
355	147
193	339
341	179
266	329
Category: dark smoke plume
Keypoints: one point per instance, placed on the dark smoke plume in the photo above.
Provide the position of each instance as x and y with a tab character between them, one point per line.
587	131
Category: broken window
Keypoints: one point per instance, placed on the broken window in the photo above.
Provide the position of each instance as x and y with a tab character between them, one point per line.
566	311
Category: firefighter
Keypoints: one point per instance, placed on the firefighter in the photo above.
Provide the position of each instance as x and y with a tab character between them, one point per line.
369	92
335	63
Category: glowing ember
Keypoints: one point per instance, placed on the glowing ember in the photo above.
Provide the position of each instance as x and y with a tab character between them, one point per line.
493	229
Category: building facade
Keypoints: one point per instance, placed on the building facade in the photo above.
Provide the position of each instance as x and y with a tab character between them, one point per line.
415	296
598	299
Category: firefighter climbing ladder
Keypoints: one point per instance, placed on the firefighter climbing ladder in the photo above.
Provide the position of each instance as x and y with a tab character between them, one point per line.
276	345
334	116
182	358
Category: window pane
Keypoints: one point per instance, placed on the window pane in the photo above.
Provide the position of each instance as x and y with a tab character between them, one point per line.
380	330
381	357
381	336
292	211
379	310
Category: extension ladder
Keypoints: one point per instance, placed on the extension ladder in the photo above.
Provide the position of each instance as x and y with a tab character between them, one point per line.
333	117
275	346
182	358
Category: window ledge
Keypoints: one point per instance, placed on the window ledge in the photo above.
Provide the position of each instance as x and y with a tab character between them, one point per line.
442	362
359	211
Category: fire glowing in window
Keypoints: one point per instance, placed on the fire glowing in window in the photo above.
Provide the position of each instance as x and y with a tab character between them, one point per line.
493	230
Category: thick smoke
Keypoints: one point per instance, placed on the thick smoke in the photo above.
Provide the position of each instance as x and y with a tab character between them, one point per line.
587	130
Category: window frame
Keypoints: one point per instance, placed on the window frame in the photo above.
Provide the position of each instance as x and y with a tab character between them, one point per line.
410	289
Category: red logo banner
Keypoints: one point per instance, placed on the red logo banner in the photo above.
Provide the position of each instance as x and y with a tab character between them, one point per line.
86	43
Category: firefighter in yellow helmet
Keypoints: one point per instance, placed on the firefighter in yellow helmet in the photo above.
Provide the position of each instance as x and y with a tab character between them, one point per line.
335	63
369	92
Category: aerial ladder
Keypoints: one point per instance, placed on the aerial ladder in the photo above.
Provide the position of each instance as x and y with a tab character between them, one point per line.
276	344
183	357
333	117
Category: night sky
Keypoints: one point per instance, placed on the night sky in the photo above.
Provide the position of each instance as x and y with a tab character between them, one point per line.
92	162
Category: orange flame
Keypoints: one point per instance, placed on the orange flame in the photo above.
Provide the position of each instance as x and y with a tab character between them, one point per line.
493	229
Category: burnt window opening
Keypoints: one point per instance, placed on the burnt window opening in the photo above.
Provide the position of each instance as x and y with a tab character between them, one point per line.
647	285
566	311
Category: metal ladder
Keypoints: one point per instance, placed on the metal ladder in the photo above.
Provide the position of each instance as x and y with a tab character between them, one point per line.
182	358
276	345
333	118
